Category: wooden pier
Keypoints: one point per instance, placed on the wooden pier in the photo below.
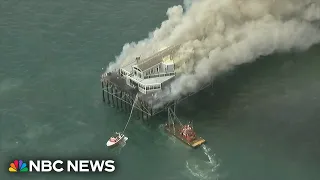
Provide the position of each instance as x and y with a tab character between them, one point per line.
118	94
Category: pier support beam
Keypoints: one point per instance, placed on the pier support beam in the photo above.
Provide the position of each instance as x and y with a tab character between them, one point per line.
102	86
116	94
142	115
126	104
108	95
121	102
112	96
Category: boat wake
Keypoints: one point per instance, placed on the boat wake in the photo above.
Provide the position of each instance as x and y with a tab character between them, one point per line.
125	140
205	170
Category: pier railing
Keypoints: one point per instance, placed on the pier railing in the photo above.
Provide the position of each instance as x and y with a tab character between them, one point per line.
159	75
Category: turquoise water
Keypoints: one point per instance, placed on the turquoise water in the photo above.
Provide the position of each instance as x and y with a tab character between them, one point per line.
261	120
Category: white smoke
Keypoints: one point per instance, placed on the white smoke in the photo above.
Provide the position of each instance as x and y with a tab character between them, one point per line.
221	34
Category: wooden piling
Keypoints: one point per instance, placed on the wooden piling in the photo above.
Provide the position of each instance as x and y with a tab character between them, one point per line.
116	95
138	114
127	104
108	95
112	91
121	102
125	100
102	86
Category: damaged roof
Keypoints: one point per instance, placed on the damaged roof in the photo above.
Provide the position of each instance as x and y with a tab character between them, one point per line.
157	58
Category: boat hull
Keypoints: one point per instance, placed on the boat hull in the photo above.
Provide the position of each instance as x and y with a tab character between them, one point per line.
174	129
112	144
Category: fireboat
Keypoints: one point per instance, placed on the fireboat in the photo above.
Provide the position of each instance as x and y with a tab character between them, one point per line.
185	133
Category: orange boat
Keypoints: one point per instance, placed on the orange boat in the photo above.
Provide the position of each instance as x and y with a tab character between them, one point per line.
185	133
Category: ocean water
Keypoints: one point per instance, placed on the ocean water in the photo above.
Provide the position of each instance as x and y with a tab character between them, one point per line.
261	121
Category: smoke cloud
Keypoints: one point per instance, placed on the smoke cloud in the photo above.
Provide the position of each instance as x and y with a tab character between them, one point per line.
218	35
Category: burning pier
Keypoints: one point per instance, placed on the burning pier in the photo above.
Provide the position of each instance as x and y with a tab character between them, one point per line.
142	77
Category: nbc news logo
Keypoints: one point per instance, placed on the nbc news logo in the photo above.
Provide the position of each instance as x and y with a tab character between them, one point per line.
63	166
18	166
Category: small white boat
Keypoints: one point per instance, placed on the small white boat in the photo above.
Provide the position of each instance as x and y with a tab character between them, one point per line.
114	140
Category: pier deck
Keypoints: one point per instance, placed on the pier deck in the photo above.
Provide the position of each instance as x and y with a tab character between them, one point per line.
119	82
117	93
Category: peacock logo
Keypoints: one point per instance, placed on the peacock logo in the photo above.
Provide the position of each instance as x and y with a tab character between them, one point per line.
18	166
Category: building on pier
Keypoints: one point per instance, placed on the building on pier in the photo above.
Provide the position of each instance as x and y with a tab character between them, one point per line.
150	75
142	77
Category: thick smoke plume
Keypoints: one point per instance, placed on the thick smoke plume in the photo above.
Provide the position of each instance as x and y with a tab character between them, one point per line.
218	35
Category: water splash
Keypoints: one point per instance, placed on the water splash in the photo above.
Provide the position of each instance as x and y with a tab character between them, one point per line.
206	170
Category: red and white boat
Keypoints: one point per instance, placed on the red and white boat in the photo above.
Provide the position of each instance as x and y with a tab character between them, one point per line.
188	133
115	140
